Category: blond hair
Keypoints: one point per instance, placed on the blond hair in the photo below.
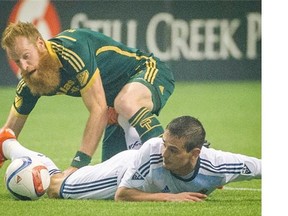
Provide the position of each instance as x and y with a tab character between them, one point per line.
14	30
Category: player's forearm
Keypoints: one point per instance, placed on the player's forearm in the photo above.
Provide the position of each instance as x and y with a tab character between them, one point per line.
91	138
15	121
94	99
93	131
127	194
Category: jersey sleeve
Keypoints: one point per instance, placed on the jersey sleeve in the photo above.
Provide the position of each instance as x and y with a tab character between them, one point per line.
232	167
24	100
136	176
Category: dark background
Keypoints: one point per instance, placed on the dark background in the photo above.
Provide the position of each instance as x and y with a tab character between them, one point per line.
185	67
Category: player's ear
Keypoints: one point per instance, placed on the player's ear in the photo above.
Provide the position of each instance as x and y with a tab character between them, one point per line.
196	152
40	44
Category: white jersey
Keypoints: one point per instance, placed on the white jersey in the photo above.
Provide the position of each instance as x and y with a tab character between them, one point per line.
99	181
214	169
143	169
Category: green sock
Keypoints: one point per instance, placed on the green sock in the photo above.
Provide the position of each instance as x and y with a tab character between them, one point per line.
146	124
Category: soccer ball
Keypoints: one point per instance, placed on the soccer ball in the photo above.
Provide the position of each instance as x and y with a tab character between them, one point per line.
27	178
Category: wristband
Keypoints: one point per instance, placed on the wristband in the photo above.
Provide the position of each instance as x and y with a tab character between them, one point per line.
81	159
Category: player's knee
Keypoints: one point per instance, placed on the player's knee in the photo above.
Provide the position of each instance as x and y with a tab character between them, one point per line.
124	105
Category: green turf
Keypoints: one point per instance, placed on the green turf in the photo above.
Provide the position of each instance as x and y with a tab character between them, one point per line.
230	112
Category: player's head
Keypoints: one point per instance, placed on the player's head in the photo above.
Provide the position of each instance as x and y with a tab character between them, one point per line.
183	139
20	29
25	46
189	129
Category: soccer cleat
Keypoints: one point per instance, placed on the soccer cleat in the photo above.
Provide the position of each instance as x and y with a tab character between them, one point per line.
5	134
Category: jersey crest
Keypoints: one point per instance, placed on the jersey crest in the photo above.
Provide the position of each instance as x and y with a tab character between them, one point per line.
83	77
246	170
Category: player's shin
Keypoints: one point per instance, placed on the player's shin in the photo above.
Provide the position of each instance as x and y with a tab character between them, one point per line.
131	135
146	124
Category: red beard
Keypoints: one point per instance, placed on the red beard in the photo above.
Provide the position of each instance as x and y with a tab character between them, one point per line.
47	77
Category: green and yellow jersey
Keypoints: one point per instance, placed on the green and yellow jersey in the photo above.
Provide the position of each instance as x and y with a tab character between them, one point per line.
86	54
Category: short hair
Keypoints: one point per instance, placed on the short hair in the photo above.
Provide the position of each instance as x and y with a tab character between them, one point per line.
14	30
189	128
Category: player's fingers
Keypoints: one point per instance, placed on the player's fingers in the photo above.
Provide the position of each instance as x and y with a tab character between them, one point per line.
197	197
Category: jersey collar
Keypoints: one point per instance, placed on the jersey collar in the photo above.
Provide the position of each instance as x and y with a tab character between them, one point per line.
195	172
53	53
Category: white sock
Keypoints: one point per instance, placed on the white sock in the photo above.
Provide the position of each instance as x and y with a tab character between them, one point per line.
12	150
131	135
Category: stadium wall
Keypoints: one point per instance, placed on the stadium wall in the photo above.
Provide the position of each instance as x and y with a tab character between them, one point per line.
200	40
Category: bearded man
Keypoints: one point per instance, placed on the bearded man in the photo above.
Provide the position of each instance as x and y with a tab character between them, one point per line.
104	72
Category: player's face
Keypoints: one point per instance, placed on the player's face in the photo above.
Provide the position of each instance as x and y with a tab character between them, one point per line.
46	77
175	157
24	54
38	69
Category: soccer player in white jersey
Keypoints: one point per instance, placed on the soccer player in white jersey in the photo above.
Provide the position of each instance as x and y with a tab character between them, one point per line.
179	163
173	168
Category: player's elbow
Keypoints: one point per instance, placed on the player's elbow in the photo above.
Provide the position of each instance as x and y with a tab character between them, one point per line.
120	194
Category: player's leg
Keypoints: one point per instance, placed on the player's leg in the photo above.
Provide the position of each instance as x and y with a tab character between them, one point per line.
132	138
145	95
113	141
12	149
134	103
5	134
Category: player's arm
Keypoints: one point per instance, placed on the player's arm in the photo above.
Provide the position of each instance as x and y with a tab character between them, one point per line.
94	99
234	167
15	121
252	169
130	194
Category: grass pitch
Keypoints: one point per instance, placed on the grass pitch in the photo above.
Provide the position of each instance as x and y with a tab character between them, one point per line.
230	112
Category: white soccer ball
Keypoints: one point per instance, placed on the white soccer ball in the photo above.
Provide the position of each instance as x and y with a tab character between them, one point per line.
27	178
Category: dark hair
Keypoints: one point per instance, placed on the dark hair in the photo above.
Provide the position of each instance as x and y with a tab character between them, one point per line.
189	128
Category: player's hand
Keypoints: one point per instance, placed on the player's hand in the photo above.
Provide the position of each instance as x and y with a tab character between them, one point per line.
187	197
56	181
112	116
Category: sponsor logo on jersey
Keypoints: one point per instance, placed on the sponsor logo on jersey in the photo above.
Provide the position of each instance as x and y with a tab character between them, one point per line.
137	176
46	20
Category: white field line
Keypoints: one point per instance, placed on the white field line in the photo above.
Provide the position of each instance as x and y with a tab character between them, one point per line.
242	189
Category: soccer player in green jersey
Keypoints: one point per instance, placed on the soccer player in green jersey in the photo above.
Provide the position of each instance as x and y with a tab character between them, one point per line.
104	72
